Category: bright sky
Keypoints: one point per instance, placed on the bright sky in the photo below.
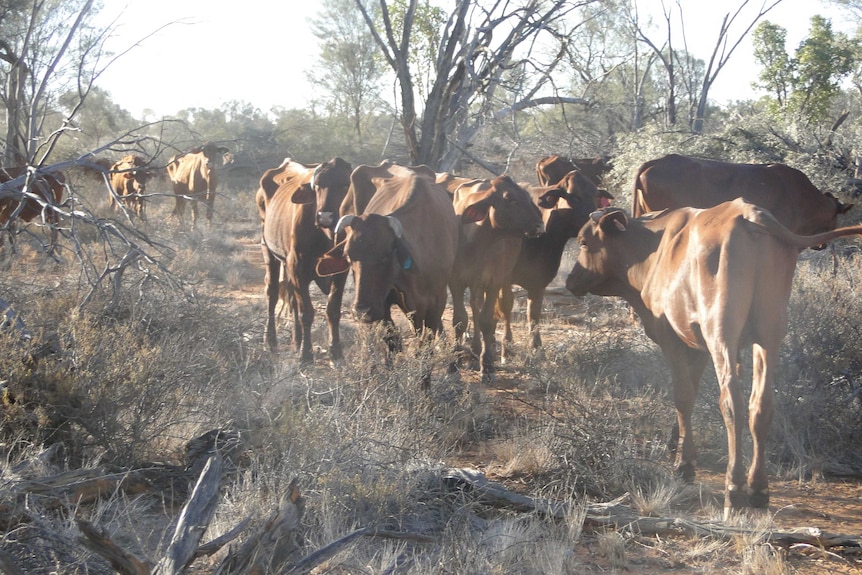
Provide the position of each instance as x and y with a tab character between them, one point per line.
257	51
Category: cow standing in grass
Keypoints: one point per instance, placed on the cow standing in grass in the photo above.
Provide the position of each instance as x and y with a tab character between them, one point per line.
705	283
194	178
496	216
298	206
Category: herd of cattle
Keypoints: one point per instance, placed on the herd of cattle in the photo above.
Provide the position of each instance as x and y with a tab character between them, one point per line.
706	260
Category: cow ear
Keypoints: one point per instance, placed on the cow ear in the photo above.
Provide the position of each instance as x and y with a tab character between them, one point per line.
331	265
402	252
549	199
475	212
605	198
304	195
613	222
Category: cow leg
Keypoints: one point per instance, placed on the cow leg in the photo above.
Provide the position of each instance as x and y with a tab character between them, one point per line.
760	409
687	366
305	313
333	316
506	303
732	406
487	326
477	304
534	315
180	210
272	281
459	321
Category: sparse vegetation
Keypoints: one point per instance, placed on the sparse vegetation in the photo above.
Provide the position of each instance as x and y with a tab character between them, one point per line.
129	384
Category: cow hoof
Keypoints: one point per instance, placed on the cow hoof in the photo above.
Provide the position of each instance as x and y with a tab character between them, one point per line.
759	499
735	499
686	472
489	377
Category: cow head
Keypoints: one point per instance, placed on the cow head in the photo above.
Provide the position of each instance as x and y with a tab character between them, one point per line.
506	206
330	182
215	155
601	242
377	254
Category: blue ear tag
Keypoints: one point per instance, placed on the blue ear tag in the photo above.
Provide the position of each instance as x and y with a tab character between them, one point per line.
408	263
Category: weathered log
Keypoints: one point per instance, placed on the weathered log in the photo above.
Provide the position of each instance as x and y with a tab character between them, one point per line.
270	547
97	540
79	487
193	520
615	515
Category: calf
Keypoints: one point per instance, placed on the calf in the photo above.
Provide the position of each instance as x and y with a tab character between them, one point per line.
705	283
496	215
297	205
193	176
129	177
565	208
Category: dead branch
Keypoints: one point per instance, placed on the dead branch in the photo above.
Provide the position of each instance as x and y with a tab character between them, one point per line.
615	515
97	540
194	519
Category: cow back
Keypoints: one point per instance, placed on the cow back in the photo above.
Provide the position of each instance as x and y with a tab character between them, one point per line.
676	181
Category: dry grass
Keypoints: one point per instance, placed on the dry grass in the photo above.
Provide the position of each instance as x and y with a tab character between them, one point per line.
588	419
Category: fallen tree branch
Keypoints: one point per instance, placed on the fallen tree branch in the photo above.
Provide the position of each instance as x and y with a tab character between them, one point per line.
615	515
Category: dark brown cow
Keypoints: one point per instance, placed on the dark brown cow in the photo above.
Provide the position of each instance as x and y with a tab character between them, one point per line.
705	283
129	177
401	248
496	215
551	169
47	189
298	205
675	181
565	208
193	176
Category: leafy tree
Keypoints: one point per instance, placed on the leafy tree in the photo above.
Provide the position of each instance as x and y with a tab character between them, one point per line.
349	67
809	82
47	48
823	59
776	76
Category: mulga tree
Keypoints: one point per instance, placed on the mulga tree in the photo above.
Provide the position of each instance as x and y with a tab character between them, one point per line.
47	48
350	68
808	82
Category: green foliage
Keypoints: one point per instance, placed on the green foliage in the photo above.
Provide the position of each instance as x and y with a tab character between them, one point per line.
808	83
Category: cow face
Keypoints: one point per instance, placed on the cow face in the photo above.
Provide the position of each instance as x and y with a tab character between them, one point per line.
580	189
599	241
215	155
330	182
376	254
508	208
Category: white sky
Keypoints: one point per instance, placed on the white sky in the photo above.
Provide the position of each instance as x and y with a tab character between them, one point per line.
257	51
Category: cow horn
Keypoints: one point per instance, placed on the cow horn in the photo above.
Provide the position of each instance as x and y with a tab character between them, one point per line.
343	222
314	176
396	226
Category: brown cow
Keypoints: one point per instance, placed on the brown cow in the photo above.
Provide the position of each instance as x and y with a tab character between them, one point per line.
565	208
675	181
451	181
401	249
551	169
496	215
129	177
28	192
705	283
297	204
193	176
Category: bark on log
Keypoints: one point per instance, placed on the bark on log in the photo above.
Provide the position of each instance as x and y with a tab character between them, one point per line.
615	515
97	540
194	519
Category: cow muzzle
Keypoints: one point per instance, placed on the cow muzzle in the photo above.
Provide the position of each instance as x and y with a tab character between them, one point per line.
325	219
